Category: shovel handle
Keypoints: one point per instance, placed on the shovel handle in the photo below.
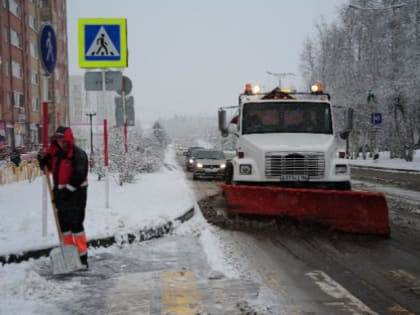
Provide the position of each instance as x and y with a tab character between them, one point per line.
54	207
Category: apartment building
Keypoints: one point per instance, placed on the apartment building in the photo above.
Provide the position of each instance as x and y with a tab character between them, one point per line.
21	73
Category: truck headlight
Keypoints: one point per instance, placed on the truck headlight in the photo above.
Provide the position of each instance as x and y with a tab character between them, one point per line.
340	169
223	165
245	169
199	165
191	161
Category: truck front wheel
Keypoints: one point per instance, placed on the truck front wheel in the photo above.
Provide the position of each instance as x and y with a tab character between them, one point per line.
228	173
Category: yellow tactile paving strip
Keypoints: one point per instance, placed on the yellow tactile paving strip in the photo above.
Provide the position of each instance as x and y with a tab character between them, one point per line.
180	294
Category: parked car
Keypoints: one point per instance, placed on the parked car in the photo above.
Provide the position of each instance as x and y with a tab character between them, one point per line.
209	164
189	157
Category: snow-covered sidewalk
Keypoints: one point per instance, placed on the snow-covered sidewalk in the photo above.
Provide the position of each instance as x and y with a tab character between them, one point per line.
149	202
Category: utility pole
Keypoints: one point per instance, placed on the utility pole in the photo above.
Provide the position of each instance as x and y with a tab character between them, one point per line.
91	114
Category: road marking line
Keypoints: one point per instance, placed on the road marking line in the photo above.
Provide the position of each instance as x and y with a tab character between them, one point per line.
408	281
406	278
399	310
332	288
180	294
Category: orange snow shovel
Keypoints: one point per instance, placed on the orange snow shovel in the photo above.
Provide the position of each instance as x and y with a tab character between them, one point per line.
64	259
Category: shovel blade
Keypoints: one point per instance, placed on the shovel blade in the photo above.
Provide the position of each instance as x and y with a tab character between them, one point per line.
65	259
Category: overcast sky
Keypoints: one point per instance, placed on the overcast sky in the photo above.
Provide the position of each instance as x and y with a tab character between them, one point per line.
189	57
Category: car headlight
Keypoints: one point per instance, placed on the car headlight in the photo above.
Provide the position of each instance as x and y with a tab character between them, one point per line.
340	169
199	165
245	169
191	161
223	165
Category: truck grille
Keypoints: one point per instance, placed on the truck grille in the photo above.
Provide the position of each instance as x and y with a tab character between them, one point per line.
310	164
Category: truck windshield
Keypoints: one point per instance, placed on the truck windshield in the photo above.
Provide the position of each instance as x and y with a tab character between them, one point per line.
290	117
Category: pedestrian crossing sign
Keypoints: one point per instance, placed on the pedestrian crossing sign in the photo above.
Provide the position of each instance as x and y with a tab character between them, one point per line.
103	43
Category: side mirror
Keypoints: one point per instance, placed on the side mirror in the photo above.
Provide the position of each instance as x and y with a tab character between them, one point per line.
222	123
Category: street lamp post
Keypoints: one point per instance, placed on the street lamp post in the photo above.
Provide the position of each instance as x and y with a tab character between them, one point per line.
91	114
280	75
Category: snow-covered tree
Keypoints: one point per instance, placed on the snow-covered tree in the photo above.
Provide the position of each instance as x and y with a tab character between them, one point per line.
145	154
372	51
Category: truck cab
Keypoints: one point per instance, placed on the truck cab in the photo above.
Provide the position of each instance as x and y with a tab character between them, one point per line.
286	139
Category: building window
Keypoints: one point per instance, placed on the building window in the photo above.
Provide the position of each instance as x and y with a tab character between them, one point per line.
18	99
16	38
16	69
32	22
14	7
4	4
33	50
44	3
57	74
34	77
35	104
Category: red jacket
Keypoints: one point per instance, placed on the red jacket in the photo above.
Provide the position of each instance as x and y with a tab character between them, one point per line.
70	167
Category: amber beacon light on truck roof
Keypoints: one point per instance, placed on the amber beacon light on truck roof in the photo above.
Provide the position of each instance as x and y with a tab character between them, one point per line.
282	93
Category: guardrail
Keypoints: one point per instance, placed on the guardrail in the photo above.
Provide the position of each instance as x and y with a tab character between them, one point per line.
27	170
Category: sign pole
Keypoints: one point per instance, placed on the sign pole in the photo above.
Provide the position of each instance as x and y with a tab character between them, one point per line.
105	139
47	45
44	149
372	101
124	117
106	163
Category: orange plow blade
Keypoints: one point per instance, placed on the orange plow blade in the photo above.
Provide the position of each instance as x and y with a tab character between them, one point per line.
349	211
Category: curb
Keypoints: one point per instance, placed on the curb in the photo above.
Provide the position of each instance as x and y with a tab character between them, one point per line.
119	239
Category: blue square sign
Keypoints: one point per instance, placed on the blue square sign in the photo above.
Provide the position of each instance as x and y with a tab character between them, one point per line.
376	118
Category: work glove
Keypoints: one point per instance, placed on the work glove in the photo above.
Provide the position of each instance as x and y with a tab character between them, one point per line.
43	160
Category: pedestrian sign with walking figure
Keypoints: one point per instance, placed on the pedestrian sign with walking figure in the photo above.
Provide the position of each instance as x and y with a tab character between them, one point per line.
48	47
102	43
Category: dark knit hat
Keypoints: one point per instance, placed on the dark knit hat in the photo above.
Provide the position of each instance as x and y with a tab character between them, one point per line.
60	132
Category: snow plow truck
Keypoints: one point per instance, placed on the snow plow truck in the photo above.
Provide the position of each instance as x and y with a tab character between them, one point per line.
288	162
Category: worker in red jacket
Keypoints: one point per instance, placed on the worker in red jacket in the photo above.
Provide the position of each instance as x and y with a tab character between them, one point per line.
69	168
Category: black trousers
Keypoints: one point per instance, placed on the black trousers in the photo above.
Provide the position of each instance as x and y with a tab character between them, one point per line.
71	210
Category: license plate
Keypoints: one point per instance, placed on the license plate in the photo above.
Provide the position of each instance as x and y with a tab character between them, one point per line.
294	178
211	170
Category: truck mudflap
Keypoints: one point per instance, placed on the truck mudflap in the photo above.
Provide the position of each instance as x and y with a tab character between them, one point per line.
349	211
